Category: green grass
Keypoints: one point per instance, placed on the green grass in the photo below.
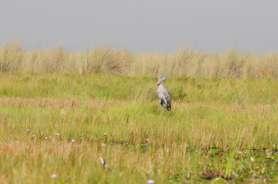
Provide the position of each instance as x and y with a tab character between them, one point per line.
61	124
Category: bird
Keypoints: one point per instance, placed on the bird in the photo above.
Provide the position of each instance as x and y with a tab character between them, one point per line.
103	162
163	94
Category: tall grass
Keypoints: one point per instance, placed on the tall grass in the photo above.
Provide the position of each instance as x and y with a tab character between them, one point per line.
183	63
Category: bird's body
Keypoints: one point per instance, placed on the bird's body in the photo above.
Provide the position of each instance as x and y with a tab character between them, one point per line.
163	94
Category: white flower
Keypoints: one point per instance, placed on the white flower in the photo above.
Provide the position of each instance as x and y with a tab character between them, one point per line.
54	176
150	182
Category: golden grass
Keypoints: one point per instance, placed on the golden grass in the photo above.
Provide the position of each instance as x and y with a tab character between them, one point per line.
183	63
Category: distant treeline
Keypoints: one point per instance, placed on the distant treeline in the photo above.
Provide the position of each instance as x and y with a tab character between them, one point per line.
182	63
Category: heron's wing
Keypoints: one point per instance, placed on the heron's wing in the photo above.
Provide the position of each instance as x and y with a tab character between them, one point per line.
162	92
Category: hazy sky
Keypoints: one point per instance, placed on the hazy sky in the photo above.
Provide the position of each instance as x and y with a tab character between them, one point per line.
142	25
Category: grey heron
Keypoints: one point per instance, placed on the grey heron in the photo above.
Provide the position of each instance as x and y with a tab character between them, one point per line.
163	94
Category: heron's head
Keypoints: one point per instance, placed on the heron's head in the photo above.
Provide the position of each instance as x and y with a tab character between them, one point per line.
160	80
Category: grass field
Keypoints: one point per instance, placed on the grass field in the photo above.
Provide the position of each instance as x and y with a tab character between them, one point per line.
55	128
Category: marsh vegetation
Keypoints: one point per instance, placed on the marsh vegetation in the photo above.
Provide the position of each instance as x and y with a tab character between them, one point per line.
63	113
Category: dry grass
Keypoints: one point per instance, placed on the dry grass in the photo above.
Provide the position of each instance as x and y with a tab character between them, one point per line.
183	63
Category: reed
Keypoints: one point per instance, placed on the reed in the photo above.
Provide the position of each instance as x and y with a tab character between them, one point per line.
182	63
